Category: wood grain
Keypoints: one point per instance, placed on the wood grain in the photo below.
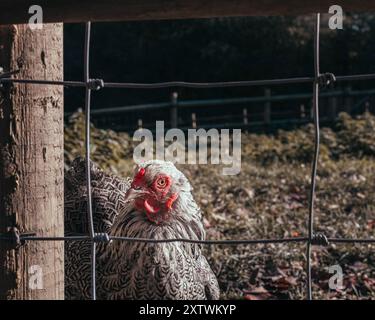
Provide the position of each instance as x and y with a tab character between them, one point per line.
31	160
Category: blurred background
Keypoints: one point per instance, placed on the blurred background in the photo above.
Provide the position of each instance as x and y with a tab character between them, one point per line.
226	49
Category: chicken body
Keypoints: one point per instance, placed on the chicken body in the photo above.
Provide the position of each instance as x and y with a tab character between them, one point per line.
136	270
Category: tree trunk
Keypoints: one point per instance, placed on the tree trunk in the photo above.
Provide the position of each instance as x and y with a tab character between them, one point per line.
31	163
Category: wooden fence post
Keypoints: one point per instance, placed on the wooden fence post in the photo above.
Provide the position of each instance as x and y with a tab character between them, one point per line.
140	123
367	106
302	111
245	119
32	163
267	107
174	114
332	108
193	121
347	99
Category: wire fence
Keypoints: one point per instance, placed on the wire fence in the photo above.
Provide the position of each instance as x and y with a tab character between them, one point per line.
318	81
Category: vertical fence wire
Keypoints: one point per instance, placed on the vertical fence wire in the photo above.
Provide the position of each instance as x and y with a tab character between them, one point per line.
310	226
87	147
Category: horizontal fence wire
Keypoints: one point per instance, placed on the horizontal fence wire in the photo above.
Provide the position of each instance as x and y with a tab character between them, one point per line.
184	84
185	240
95	84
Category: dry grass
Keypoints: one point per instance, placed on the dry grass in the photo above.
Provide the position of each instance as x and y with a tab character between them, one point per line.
268	199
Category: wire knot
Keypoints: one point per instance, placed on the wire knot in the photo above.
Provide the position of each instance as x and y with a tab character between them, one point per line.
95	84
326	79
319	239
5	74
15	238
101	237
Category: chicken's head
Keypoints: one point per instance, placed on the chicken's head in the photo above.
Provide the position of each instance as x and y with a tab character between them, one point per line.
156	188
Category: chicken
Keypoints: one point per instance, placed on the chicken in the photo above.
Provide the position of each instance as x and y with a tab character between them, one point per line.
156	204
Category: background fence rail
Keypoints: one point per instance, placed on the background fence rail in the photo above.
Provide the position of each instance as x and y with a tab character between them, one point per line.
245	110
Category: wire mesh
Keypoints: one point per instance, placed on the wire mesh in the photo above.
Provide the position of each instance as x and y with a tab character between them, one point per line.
89	84
310	226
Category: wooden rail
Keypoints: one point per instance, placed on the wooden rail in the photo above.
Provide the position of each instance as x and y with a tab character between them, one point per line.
17	11
266	117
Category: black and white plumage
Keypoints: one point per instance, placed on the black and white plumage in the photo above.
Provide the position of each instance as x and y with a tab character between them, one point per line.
156	204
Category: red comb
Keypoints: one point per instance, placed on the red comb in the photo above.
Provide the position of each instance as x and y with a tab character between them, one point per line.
140	174
138	177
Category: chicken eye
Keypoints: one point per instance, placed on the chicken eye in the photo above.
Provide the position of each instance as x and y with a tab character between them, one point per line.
161	183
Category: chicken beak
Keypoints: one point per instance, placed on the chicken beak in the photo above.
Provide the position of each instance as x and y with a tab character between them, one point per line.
134	194
130	194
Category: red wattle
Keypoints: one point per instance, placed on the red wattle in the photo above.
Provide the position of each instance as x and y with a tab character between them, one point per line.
171	200
151	207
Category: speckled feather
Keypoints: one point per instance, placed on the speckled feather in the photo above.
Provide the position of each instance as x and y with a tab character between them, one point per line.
135	270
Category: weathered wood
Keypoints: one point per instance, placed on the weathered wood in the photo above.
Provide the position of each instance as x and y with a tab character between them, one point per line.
31	162
16	11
